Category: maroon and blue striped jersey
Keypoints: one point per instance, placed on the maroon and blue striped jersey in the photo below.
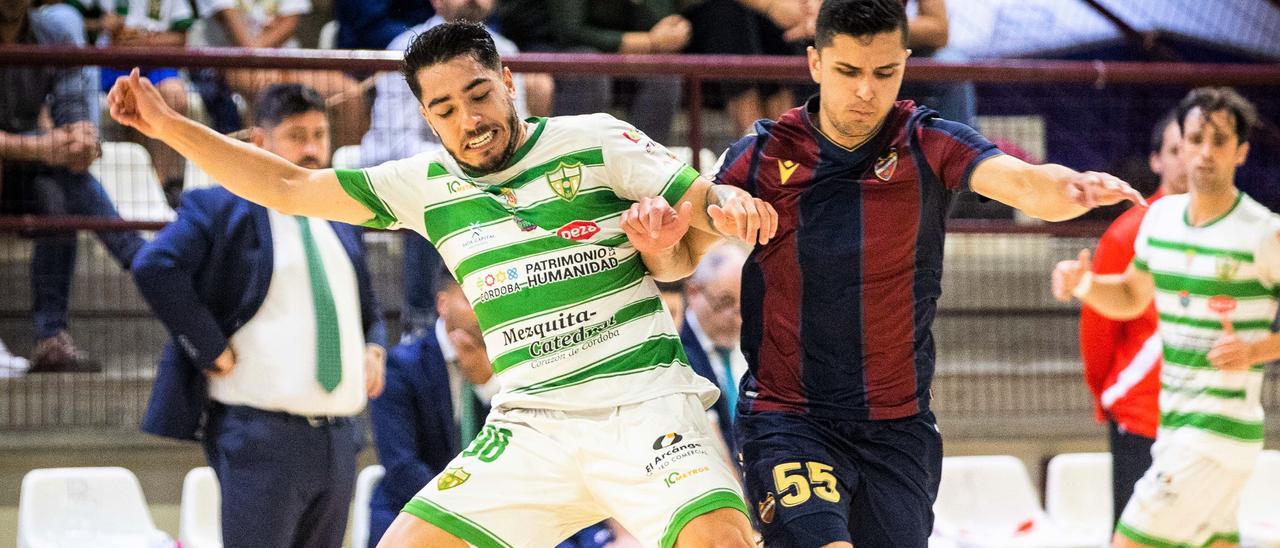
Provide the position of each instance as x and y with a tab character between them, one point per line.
837	309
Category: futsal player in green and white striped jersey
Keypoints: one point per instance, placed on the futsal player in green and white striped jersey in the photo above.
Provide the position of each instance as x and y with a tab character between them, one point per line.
1211	261
552	227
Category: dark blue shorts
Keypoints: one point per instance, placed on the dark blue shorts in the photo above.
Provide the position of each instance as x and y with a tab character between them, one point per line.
812	481
156	75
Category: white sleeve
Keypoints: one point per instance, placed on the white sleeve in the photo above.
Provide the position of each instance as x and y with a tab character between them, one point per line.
208	8
390	193
293	7
1266	259
1140	247
638	166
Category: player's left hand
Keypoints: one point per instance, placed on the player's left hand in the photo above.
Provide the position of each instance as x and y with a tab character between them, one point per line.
653	226
375	368
1229	353
741	216
1093	189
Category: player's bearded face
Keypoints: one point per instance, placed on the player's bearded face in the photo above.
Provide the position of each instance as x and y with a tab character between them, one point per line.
472	109
859	78
1211	150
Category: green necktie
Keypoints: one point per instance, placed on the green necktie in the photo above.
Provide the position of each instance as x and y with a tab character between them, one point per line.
328	338
730	387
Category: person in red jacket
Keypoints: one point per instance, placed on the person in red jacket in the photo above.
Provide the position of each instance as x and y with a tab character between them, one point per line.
1122	358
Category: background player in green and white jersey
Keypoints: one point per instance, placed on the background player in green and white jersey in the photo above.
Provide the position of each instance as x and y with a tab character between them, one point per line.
1211	261
599	414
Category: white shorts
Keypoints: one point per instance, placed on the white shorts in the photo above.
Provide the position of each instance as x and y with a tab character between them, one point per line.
1185	498
535	477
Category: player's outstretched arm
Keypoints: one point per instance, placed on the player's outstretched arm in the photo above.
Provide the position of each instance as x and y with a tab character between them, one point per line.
1050	191
660	233
1117	296
248	171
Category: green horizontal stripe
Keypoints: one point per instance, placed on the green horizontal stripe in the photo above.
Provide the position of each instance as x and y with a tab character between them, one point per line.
501	255
1141	265
436	169
638	309
1215	324
572	290
1205	287
586	157
678	185
658	351
1213	251
592	204
454	524
614	241
1187	357
714	499
1218	424
1151	540
1220	393
445	220
356	184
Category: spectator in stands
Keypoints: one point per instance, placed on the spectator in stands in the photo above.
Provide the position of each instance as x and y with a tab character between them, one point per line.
928	37
45	171
620	26
712	327
143	24
1122	358
393	135
276	343
372	24
273	24
752	27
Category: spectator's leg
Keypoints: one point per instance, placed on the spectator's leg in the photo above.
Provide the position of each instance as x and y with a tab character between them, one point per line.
421	265
539	92
169	165
582	94
53	261
655	105
85	196
744	109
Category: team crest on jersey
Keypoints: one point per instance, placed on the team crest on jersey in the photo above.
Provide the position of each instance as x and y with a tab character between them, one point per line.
766	508
565	179
1226	268
886	165
510	195
785	169
452	477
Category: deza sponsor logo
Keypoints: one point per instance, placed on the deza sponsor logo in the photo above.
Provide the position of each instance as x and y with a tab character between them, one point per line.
671	448
578	230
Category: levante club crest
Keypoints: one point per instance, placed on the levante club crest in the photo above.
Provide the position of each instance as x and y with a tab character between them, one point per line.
886	165
565	179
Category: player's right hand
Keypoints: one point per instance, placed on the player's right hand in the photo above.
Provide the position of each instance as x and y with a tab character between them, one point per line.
136	103
1067	275
741	216
653	226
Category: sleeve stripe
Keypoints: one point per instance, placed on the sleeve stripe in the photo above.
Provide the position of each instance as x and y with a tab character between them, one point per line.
679	185
357	185
1140	264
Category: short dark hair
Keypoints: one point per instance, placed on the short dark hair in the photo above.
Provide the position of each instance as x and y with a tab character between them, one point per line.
444	42
859	18
1215	99
1157	132
281	101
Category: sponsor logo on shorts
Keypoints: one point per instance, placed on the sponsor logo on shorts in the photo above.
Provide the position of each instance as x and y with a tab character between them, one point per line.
452	477
578	230
766	508
675	477
672	449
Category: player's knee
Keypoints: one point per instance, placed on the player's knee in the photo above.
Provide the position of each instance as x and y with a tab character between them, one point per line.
722	528
410	530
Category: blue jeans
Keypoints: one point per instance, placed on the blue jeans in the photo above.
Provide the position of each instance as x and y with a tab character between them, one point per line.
57	191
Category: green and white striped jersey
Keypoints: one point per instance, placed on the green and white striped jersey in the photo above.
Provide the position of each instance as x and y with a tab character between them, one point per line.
571	318
1235	260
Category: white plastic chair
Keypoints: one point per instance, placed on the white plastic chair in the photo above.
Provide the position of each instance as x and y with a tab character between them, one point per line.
989	502
328	35
99	507
1260	503
200	523
705	156
126	174
365	482
194	177
347	157
1078	494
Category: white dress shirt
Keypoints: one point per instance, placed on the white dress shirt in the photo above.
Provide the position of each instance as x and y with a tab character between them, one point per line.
276	350
484	392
